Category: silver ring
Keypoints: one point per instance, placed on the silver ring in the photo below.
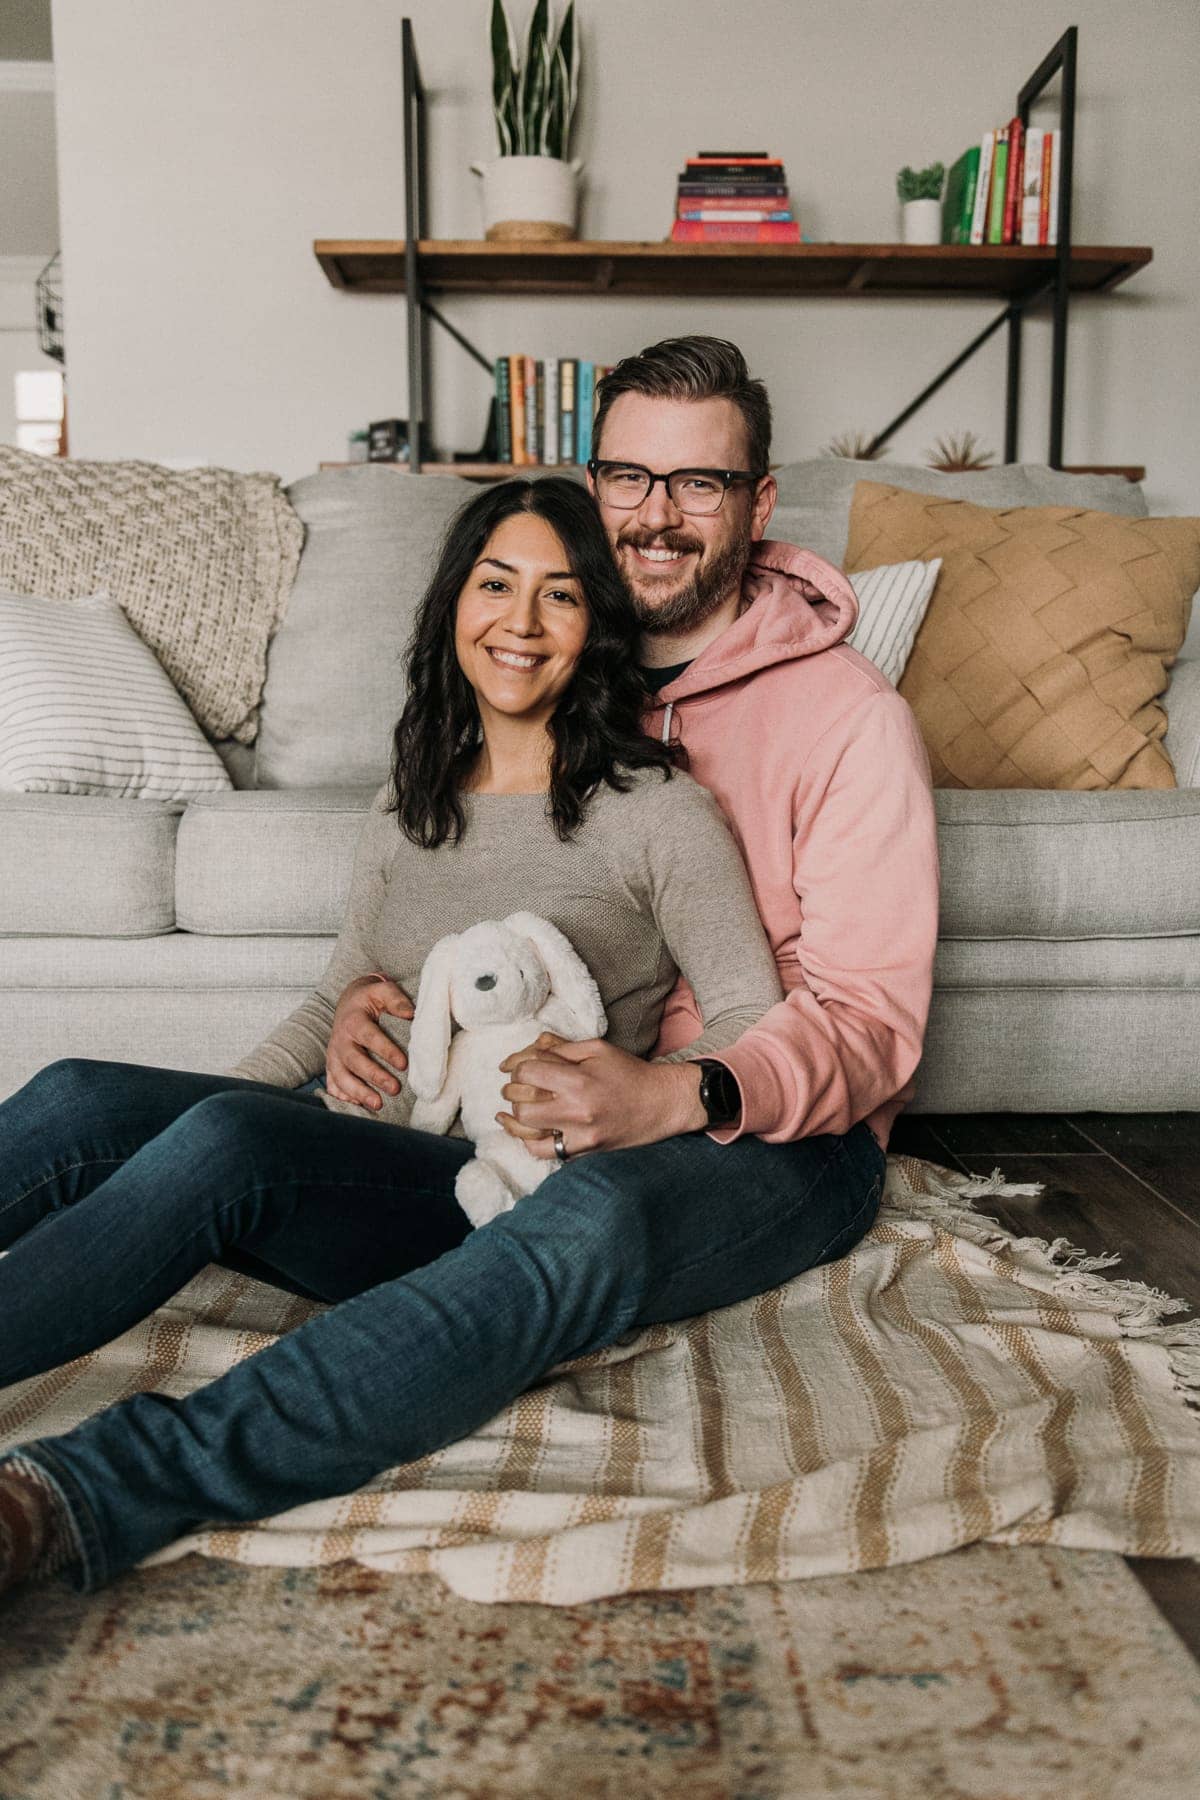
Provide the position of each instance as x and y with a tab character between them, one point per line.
560	1149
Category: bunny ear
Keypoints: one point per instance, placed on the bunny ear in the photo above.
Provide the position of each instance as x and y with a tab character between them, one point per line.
570	982
429	1040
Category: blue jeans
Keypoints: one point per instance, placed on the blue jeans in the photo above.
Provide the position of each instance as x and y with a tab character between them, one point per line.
118	1182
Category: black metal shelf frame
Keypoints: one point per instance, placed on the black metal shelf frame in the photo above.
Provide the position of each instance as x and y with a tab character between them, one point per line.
419	310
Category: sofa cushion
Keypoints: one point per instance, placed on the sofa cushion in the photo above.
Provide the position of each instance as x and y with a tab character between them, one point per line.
82	865
1021	864
335	671
1047	643
815	495
86	707
275	863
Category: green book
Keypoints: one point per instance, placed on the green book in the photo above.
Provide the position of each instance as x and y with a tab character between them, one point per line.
995	218
952	201
967	210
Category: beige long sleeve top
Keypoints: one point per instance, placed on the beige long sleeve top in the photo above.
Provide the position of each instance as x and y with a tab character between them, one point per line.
650	885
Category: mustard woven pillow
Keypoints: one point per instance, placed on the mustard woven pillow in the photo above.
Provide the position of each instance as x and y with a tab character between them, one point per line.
1046	647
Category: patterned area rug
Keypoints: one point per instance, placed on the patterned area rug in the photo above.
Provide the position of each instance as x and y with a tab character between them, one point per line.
992	1673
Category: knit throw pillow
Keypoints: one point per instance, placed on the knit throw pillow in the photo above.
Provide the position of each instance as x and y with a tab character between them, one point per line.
1047	644
86	708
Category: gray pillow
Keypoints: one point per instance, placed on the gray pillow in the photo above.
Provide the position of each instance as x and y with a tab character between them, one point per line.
814	496
335	668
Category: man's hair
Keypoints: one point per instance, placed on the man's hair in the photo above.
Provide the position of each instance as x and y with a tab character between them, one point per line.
693	368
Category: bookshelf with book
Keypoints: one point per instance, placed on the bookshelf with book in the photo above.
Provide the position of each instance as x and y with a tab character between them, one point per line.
734	197
1017	270
544	410
1004	190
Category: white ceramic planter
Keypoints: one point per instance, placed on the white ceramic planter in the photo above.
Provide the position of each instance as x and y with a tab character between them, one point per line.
922	221
529	197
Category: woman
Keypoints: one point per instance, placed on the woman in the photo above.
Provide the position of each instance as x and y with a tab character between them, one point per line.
520	779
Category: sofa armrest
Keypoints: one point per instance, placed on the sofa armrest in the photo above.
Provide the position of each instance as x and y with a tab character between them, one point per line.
1182	703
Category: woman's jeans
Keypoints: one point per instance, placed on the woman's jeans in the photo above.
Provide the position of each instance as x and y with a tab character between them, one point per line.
119	1182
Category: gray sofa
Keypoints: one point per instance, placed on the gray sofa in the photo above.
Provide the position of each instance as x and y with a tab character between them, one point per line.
1068	971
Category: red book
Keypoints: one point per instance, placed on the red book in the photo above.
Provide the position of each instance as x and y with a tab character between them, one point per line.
732	202
1047	166
1013	183
705	157
694	231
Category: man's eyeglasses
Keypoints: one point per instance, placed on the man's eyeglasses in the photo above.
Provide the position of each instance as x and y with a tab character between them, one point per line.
692	490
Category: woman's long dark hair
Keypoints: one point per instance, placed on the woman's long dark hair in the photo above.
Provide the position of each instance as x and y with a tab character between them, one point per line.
595	728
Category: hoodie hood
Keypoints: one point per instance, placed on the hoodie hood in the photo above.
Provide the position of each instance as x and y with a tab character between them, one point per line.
796	604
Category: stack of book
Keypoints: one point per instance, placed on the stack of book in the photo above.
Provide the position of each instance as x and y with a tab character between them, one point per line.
1005	190
544	409
734	196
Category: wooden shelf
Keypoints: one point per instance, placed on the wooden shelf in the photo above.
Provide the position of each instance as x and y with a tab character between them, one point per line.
376	266
469	471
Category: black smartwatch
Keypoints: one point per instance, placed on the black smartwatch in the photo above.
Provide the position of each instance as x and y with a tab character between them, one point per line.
719	1093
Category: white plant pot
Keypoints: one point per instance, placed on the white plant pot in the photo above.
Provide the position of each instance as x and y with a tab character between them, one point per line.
922	221
531	197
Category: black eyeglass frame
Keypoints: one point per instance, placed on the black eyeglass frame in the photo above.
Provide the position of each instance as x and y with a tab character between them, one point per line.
726	476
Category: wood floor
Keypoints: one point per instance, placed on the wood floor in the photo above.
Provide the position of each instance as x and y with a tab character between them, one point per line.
1128	1182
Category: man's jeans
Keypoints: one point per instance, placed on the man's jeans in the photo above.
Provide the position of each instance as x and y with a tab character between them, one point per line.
118	1182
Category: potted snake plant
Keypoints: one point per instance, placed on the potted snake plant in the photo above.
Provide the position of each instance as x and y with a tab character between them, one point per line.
530	190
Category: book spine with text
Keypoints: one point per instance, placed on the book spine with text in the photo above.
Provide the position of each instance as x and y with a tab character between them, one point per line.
1055	165
1012	183
995	224
516	400
531	418
967	209
685	231
551	429
539	378
983	188
721	190
585	393
698	168
503	412
1043	236
1031	187
566	391
723	215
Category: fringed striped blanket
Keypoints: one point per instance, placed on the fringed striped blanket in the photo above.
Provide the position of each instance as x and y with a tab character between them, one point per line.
944	1383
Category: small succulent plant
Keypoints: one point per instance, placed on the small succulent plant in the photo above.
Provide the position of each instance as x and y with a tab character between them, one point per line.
854	444
921	184
959	451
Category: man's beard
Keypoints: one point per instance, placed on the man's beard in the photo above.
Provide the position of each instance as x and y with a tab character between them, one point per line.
703	594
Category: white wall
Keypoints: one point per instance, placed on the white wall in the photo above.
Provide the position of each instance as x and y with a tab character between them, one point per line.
202	148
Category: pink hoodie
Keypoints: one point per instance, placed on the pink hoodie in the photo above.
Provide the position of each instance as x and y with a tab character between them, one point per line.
819	767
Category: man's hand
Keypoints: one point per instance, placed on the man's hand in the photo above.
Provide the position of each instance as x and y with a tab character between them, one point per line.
357	1040
599	1097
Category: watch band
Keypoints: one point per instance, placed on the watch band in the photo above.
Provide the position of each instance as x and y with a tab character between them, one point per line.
720	1095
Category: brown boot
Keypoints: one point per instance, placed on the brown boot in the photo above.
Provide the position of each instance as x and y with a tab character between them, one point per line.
36	1536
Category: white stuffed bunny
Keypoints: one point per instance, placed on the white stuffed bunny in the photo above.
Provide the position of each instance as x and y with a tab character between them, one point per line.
502	982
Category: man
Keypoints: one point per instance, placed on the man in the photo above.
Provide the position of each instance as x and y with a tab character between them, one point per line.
819	767
705	1181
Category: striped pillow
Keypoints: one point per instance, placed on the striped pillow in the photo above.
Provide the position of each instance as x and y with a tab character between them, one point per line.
87	708
892	601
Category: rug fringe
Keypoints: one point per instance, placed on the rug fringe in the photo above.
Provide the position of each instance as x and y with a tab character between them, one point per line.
1138	1310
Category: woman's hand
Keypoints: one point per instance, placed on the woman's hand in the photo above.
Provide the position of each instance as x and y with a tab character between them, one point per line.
358	1044
599	1097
